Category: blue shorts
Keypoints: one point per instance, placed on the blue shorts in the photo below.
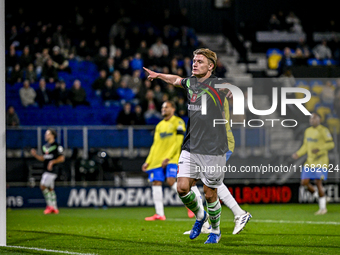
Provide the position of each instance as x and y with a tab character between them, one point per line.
229	154
314	173
160	174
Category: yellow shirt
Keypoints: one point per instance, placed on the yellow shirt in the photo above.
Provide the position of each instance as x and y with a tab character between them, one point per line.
168	139
230	136
316	138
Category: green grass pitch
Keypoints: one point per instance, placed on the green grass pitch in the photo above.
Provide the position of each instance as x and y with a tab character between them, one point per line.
274	229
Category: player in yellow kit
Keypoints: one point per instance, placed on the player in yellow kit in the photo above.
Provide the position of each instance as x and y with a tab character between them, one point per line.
241	217
161	163
316	144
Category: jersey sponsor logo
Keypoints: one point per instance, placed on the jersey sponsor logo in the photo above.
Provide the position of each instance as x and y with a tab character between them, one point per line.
309	139
165	134
192	107
193	98
48	156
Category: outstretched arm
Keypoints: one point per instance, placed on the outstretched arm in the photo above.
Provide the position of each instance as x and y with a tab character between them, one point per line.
168	78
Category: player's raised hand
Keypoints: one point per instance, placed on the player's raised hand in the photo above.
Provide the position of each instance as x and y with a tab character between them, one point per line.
151	74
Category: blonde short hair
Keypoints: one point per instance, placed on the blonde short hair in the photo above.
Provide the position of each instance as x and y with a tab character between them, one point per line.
209	54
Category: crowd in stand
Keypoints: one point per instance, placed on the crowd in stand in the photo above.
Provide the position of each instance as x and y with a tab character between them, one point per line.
37	52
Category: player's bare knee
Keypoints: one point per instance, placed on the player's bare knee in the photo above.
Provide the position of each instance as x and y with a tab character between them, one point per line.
182	190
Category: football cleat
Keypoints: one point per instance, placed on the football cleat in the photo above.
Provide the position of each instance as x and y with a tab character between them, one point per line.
213	238
321	212
155	217
55	211
196	229
240	222
206	229
48	210
190	213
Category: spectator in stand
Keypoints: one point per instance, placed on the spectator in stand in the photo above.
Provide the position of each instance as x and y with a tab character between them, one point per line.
158	93
11	58
140	120
287	60
126	116
143	49
41	59
137	62
61	94
173	66
220	70
16	75
99	84
109	67
35	47
176	50
187	67
125	67
160	49
146	85
78	94
306	51
109	93
293	22
30	74
27	94
83	52
182	107
327	95
12	119
124	92
26	58
135	82
151	108
100	59
59	61
274	23
49	72
43	96
299	58
116	79
322	51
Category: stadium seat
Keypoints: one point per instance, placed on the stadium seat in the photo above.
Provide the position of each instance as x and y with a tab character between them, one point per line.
323	111
316	86
333	123
329	62
314	62
304	85
310	105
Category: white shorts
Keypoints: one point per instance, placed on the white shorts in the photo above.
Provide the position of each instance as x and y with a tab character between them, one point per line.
208	168
47	179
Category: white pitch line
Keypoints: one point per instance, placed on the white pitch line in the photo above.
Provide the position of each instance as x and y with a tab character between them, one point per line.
278	221
47	250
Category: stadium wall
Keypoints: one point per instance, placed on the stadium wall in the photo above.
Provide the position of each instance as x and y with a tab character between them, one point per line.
70	197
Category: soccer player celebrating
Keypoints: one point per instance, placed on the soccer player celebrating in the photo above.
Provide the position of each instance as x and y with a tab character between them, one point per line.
316	144
52	156
161	162
205	145
241	217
